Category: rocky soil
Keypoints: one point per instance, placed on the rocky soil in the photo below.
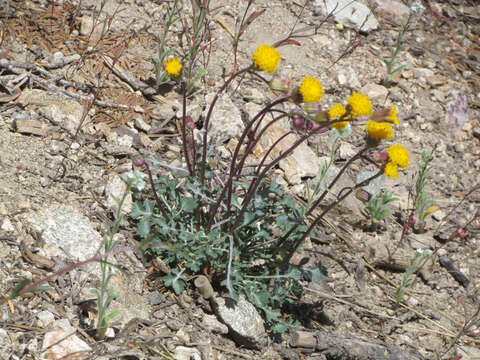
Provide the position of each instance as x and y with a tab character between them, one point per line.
78	102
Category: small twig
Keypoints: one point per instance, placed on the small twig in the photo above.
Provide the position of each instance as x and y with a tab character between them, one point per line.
128	77
15	66
330	297
61	61
24	327
6	64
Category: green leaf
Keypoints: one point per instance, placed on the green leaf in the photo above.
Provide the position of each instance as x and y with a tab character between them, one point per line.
293	273
143	227
189	204
200	72
400	68
385	61
272	315
178	286
18	288
280	327
316	274
111	316
138	210
41	288
176	280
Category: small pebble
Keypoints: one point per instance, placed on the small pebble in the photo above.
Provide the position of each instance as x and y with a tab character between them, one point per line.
174	325
476	133
459	148
442	252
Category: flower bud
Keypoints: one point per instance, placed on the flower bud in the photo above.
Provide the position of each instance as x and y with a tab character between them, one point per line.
318	128
380	156
189	123
321	117
299	123
139	161
279	85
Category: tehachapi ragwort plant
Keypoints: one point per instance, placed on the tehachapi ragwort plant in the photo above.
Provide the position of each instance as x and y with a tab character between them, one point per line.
242	230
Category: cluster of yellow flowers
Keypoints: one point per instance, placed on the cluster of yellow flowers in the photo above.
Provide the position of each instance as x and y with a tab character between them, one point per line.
267	58
378	127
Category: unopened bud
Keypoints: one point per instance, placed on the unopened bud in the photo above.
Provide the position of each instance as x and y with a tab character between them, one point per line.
321	117
380	156
299	123
280	85
189	123
139	161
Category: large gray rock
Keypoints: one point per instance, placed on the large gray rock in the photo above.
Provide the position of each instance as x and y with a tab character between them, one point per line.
349	13
64	230
62	341
186	353
244	323
301	163
377	93
226	120
114	190
59	109
392	10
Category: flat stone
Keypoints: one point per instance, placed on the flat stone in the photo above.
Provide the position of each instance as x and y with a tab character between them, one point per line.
115	189
3	334
226	119
392	10
244	323
436	80
349	13
60	343
186	353
348	77
59	109
7	225
377	93
469	352
30	127
301	163
64	230
457	113
212	324
129	287
422	73
423	241
91	28
140	124
45	318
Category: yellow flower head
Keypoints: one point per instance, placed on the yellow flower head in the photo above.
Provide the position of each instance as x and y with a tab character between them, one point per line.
360	104
335	113
398	155
173	66
391	170
379	130
266	58
392	115
311	89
